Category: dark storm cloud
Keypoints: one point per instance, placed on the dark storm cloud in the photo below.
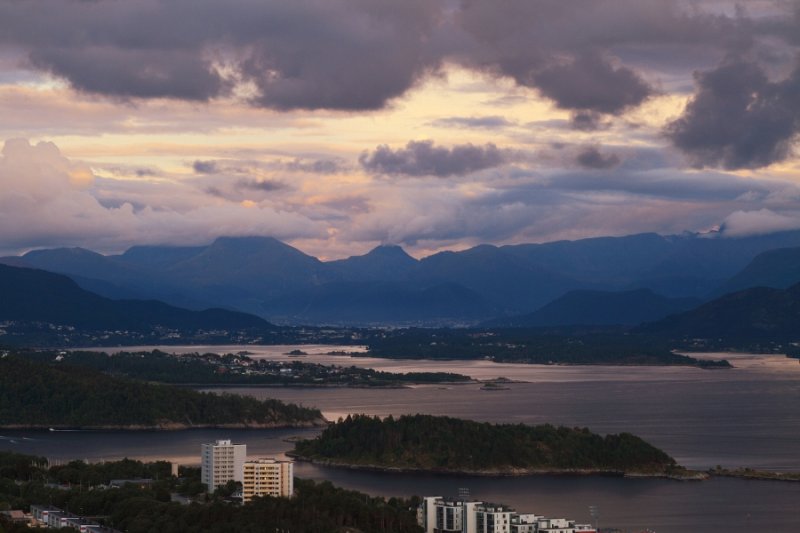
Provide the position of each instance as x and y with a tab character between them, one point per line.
359	54
133	73
310	54
564	49
586	120
343	54
489	123
590	82
591	157
205	167
422	158
739	118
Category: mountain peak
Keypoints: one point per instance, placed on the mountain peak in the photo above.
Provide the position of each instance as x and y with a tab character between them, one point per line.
62	252
390	251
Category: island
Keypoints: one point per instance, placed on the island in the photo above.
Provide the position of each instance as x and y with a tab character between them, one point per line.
440	444
57	395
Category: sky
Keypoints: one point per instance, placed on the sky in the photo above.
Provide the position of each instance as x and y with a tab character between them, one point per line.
339	125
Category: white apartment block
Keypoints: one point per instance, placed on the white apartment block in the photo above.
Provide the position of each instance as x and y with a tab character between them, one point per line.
493	518
221	462
446	515
267	477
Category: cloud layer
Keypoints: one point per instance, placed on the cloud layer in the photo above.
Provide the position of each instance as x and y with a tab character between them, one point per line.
423	158
337	124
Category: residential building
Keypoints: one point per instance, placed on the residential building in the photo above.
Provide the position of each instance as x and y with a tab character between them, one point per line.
492	518
449	515
267	477
52	517
221	462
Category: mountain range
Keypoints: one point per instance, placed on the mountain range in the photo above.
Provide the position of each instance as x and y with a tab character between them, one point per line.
644	277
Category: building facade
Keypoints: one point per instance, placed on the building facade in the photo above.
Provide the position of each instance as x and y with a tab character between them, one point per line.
449	515
221	462
267	477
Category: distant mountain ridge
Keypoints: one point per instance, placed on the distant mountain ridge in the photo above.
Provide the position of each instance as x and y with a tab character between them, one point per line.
778	269
601	308
30	295
759	314
267	277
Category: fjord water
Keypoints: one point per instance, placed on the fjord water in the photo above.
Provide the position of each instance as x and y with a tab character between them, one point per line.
746	416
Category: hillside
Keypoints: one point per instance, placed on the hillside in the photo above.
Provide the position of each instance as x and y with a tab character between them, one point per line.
36	295
754	315
778	269
57	395
33	299
599	308
443	444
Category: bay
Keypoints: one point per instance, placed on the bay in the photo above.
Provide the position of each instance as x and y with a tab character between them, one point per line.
746	416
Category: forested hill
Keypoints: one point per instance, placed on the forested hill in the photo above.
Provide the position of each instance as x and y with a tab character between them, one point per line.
59	395
443	444
740	319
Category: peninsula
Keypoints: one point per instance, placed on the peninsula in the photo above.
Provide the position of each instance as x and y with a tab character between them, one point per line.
56	395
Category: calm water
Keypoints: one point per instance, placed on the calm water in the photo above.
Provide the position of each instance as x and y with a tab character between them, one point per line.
743	417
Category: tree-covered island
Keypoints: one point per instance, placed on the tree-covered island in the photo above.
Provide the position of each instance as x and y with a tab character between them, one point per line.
451	445
52	395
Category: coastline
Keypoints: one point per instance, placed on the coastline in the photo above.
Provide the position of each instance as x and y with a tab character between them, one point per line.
761	475
690	475
169	426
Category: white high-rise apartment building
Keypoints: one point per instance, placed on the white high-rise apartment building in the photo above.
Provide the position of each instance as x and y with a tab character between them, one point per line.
221	462
267	477
447	515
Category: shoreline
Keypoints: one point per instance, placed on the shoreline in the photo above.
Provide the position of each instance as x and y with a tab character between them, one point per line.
168	426
691	475
760	475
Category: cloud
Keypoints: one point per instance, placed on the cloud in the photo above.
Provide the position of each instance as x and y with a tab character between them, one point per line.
590	157
664	183
260	185
422	158
738	118
586	120
205	167
181	74
314	166
591	82
572	51
49	200
487	122
762	221
359	54
342	54
304	54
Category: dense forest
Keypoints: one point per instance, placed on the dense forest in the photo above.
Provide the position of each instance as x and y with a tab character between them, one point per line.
531	346
434	443
316	507
58	395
